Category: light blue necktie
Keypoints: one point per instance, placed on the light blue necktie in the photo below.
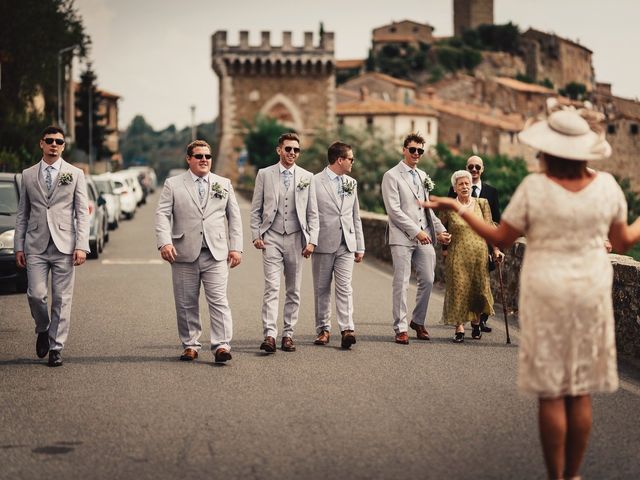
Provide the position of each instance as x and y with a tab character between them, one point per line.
287	179
340	188
47	177
414	174
201	191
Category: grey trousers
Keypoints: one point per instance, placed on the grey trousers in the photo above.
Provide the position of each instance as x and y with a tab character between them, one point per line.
282	252
60	265
326	267
423	260
187	278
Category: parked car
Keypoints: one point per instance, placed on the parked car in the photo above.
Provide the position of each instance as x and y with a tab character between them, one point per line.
150	177
9	199
98	229
106	186
131	179
128	203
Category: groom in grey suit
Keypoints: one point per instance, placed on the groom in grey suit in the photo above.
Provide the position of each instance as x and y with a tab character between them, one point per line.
340	244
412	233
199	232
52	236
284	225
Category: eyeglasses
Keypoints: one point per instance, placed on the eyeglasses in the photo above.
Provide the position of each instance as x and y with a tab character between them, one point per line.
351	159
295	149
49	141
472	167
413	150
198	156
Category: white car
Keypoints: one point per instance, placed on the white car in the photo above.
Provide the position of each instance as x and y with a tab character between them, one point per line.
128	202
150	176
106	186
130	177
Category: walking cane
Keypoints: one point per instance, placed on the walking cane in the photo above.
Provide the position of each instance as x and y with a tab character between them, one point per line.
504	304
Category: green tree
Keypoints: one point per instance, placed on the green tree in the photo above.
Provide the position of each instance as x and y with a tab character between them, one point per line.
261	141
89	129
574	90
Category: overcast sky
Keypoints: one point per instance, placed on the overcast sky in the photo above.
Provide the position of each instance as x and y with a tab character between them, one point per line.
156	54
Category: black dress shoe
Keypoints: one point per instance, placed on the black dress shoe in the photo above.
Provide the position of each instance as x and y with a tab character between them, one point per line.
42	344
476	334
483	327
55	359
458	337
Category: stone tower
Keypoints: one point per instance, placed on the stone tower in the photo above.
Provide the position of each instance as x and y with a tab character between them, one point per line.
293	84
469	14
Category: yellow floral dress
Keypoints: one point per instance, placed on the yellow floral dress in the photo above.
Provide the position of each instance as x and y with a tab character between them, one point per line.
468	291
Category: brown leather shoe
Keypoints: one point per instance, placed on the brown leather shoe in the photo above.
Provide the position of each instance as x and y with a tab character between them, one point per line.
421	332
348	339
269	345
287	344
189	355
322	338
402	338
222	355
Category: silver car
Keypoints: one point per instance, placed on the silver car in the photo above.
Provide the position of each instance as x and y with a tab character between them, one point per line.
106	187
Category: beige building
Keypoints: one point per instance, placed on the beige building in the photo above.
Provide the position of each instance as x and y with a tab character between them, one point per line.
383	87
470	14
401	34
293	84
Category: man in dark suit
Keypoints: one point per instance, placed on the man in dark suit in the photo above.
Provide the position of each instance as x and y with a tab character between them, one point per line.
475	166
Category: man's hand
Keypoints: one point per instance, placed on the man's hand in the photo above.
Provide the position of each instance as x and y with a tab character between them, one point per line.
423	237
444	238
21	260
259	244
79	257
358	257
308	250
168	253
234	258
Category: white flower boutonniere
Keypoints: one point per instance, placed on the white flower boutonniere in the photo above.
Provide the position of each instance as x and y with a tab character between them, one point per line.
428	184
348	187
65	178
304	183
217	191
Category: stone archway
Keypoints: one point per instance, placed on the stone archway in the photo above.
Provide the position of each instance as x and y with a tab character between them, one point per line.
284	110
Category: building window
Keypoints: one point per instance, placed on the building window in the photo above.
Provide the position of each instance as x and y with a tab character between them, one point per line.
341	121
428	127
458	139
413	125
369	122
392	29
511	136
611	129
633	129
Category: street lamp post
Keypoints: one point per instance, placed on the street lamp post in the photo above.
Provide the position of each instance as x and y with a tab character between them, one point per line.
60	52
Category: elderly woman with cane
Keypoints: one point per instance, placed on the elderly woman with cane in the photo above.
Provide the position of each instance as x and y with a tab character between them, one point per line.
567	348
468	292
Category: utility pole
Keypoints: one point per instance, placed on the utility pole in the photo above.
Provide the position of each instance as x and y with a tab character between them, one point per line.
193	122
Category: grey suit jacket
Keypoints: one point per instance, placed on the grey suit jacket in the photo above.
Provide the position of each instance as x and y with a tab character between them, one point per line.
63	217
401	203
181	221
264	204
338	216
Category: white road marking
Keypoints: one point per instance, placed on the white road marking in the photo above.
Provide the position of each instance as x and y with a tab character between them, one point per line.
133	261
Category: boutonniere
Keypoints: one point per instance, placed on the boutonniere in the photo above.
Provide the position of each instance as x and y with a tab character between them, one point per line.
348	186
302	184
65	178
428	184
217	191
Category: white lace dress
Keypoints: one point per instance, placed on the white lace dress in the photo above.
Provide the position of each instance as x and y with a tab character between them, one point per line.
567	345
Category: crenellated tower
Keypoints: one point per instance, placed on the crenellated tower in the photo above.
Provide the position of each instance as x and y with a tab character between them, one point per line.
293	84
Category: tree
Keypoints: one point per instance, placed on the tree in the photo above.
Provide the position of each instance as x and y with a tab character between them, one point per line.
261	141
574	90
90	132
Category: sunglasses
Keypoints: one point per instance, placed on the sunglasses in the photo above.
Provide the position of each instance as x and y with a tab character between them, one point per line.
471	168
413	150
295	149
49	141
351	159
199	156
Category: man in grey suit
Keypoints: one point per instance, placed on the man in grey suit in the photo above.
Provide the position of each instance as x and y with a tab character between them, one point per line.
52	237
412	233
284	225
199	232
340	243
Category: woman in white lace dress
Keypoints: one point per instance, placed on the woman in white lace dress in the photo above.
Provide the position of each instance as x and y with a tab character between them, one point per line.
567	347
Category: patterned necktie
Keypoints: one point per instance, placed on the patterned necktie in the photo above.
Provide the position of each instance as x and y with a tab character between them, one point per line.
200	183
47	177
287	179
340	188
414	174
474	191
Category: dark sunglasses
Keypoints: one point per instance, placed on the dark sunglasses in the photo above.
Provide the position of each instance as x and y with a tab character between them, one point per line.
413	150
198	156
474	167
295	149
49	141
351	159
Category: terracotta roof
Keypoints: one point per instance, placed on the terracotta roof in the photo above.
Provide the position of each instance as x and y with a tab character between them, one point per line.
514	84
476	114
346	64
402	22
345	92
105	93
372	106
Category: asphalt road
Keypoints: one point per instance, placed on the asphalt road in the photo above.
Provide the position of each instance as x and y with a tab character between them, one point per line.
123	405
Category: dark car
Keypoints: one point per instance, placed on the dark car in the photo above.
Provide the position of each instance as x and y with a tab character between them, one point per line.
9	198
98	218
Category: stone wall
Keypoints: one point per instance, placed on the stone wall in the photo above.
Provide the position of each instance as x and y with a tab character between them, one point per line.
626	282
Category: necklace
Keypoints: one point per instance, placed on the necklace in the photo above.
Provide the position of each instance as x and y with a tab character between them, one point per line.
464	204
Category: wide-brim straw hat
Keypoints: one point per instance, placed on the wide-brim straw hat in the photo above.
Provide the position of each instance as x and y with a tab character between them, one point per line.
566	134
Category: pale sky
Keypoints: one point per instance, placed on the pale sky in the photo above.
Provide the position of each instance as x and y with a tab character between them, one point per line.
156	54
